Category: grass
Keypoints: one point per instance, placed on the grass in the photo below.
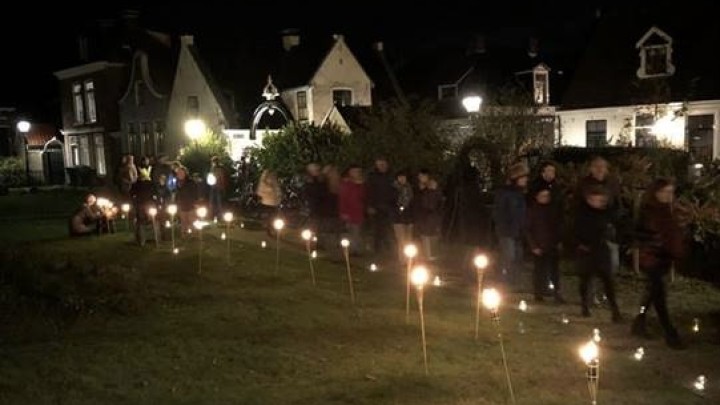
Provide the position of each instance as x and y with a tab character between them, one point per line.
240	334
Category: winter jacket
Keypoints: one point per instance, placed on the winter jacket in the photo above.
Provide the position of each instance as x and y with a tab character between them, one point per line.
186	195
403	209
380	192
610	184
351	202
143	194
221	178
315	193
556	190
428	212
591	227
509	212
660	237
543	225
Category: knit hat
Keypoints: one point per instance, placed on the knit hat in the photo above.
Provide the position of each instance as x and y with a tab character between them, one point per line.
517	171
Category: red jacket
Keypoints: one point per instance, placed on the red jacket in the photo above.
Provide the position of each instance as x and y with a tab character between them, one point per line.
351	202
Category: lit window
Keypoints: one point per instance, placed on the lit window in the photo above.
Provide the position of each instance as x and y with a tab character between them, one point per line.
78	104
100	155
540	87
447	91
595	133
644	137
90	101
302	107
342	97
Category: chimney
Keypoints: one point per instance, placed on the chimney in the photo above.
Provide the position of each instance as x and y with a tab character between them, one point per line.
533	47
379	46
290	39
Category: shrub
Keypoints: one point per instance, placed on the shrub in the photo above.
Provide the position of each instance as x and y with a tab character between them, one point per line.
12	171
196	156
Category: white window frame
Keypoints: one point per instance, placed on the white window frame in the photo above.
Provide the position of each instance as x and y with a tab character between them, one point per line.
587	132
304	108
90	105
78	103
644	49
352	96
541	93
99	146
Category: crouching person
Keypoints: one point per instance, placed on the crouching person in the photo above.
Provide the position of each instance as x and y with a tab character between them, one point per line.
85	220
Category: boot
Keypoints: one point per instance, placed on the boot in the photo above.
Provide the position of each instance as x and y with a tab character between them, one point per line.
639	327
673	340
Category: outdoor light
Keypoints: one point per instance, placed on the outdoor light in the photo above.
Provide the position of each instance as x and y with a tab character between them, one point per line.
194	129
419	277
472	104
23	126
564	319
228	217
152	211
211	179
201	212
481	262
639	353
437	282
125	208
167	224
314	254
278	224
172	210
263	244
696	325
175	251
199	225
346	251
223	236
522	306
699	383
307	237
590	354
373	267
491	299
410	251
596	335
102	202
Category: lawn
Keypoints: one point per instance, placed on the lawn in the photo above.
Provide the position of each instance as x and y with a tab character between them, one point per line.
104	321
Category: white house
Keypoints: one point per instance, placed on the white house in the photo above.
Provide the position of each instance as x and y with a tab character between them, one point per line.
646	85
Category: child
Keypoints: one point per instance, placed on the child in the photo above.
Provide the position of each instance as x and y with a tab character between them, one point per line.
542	228
592	222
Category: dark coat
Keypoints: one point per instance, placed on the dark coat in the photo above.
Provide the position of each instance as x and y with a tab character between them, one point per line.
610	184
315	193
381	194
591	227
661	239
543	226
403	209
557	192
509	212
428	212
186	195
143	194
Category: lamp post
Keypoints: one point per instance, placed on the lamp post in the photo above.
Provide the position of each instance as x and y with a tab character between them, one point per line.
23	127
491	300
125	208
194	129
590	354
201	213
346	250
481	263
419	277
410	251
307	237
172	210
228	218
152	211
278	225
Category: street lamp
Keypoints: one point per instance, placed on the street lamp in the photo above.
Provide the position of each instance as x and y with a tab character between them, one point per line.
23	127
195	128
472	103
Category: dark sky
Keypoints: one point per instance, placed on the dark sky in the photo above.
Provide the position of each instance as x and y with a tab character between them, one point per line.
44	41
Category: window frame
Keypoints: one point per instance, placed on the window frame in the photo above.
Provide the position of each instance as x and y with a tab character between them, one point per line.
78	102
441	88
302	109
592	133
90	101
346	90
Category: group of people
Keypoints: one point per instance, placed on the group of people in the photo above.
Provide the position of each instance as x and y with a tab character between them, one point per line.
531	214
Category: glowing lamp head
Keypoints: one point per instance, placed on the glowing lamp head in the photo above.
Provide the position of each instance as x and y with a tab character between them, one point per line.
419	276
172	209
176	251
472	103
314	254
199	225
481	261
223	236
589	352
125	208
639	353
410	251
228	217
306	235
278	224
699	383
596	335
103	202
263	244
211	179
201	212
437	282
523	306
491	299
194	128
345	243
23	126
152	211
373	267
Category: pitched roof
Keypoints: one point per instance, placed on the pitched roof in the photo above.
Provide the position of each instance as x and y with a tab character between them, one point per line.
40	134
607	74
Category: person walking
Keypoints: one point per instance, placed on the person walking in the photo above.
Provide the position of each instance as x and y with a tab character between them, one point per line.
509	207
428	213
314	193
592	221
543	227
381	204
661	241
351	206
127	174
402	217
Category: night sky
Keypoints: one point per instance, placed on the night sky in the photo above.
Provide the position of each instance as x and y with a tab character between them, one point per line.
46	39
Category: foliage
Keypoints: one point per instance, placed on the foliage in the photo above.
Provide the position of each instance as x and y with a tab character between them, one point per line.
699	206
12	171
296	145
407	134
196	156
510	128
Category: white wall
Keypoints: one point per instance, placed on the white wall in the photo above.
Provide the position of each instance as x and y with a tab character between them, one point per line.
572	123
239	140
340	70
189	81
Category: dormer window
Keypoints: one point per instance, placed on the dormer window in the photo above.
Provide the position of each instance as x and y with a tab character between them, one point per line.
655	50
541	85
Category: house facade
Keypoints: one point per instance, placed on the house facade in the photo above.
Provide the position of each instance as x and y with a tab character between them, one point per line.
90	119
647	81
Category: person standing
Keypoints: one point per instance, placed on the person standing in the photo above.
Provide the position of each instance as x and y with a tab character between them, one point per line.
330	225
186	196
127	175
661	242
381	203
509	217
351	206
268	190
143	195
402	217
592	221
219	177
547	180
543	230
428	213
314	194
